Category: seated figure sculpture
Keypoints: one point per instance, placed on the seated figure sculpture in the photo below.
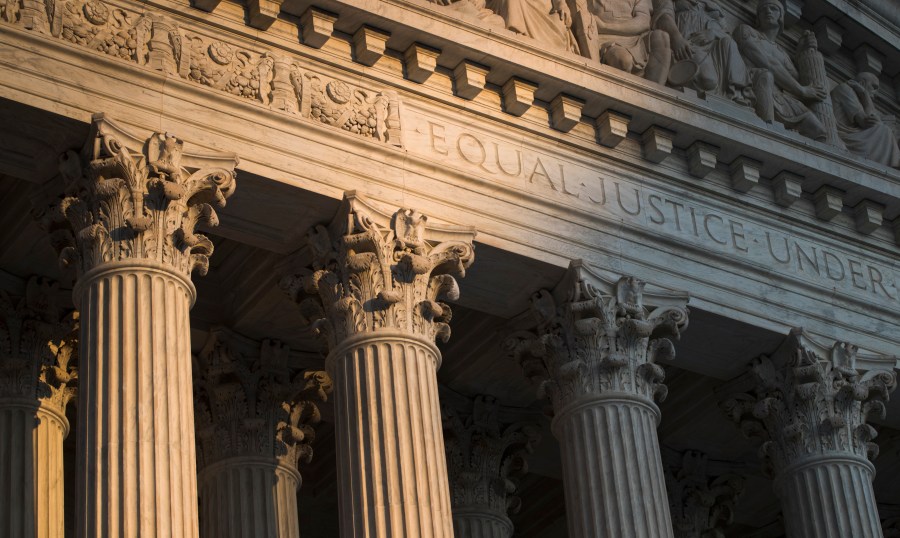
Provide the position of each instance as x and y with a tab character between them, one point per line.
546	21
473	8
776	85
697	34
858	123
619	33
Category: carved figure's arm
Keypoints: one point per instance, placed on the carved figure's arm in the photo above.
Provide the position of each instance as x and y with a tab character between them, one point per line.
665	21
750	48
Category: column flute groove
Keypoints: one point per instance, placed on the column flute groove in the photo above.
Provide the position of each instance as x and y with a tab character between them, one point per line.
375	293
126	224
38	356
594	356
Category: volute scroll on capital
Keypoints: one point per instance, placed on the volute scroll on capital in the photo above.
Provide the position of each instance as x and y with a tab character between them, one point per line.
38	347
485	457
251	402
596	336
132	199
372	271
808	400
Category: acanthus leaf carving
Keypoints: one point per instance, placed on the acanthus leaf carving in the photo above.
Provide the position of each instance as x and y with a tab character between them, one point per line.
595	336
702	505
485	458
158	42
372	272
128	199
808	400
38	347
257	405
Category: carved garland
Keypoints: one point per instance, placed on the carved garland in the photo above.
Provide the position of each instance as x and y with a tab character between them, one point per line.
158	42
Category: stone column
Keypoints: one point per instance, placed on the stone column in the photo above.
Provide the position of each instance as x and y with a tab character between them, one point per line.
702	505
594	356
375	292
37	380
255	417
809	404
485	461
127	226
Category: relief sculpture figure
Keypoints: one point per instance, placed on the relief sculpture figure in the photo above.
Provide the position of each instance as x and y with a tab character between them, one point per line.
619	33
474	9
776	81
707	58
858	123
547	21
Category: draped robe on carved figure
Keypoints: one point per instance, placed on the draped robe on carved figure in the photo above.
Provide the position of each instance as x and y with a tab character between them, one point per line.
697	32
776	82
547	21
859	125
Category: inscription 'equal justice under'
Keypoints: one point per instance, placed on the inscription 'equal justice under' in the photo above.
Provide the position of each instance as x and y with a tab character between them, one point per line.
629	200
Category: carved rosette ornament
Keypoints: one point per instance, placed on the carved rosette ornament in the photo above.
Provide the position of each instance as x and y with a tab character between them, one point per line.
38	352
485	461
702	505
810	405
255	418
127	225
376	294
594	356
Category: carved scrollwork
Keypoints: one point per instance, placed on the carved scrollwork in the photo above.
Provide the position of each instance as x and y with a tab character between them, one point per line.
139	200
702	505
158	42
807	400
370	272
255	405
486	459
591	340
38	347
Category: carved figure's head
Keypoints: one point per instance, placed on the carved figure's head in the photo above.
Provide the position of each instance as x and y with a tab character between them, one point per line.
770	14
869	81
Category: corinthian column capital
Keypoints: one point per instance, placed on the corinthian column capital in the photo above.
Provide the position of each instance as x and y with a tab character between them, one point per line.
373	271
38	347
596	335
485	460
250	403
138	200
808	399
702	505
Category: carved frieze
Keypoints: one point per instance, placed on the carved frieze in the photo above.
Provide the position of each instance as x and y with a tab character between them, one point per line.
807	400
132	199
374	272
158	42
702	505
38	347
596	336
485	459
254	405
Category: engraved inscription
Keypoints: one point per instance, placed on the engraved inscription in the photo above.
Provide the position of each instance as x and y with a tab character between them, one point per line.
619	197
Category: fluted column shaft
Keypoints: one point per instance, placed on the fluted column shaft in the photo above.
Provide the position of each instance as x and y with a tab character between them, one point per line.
31	467
830	497
135	438
246	497
474	523
390	444
612	468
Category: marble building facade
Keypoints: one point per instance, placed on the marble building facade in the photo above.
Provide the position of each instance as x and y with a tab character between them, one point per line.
433	268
